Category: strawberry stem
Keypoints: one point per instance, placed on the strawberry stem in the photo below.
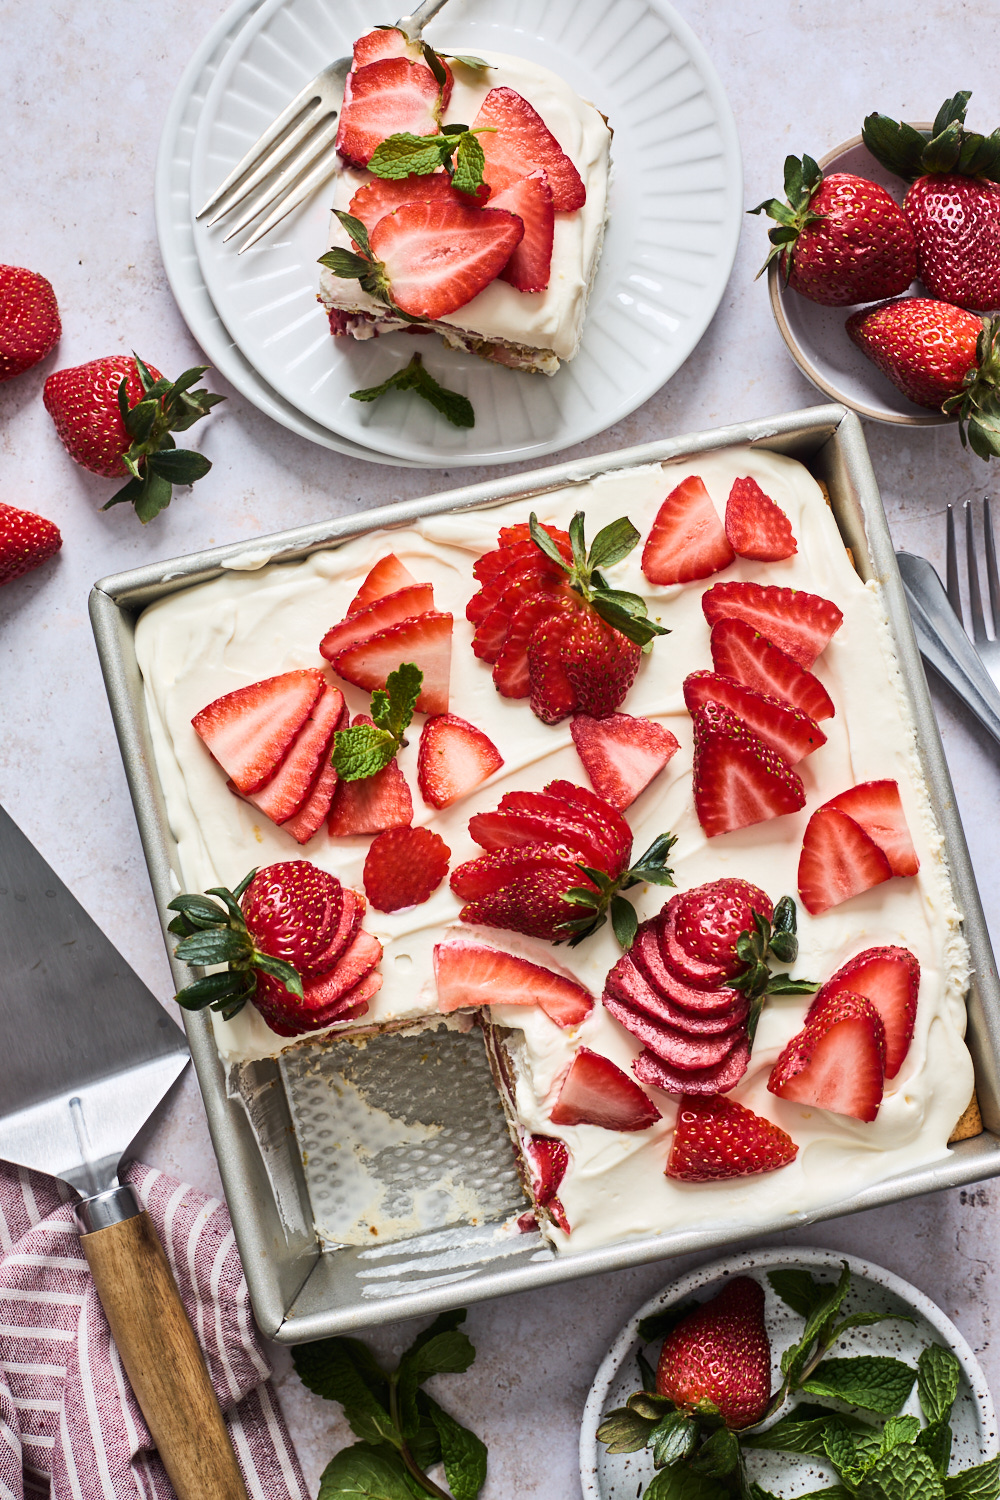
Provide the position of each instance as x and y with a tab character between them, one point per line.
603	898
213	934
153	459
977	405
624	612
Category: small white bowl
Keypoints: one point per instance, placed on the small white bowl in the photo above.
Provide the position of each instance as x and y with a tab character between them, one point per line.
816	337
974	1421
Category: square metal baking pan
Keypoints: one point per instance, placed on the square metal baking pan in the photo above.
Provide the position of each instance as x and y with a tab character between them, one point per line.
301	1291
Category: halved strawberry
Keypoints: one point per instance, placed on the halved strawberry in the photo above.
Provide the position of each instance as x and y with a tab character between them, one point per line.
738	779
838	861
438	256
384	41
596	1092
371	806
384	195
622	755
286	792
741	652
890	979
600	664
687	540
388	97
632	983
800	623
507	581
548	1159
659	1074
391	609
388	576
468	973
518	141
755	526
683	1050
454	758
249	730
404	867
614	831
511	673
315	809
876	807
531	201
508	828
716	1139
837	1061
424	640
785	728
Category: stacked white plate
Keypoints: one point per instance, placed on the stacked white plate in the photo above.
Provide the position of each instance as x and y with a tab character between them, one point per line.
676	206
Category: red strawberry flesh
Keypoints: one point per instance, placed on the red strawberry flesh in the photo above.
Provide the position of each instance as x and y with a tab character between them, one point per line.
286	792
755	526
876	807
658	1074
742	653
454	758
890	978
518	141
621	754
738	779
687	540
837	1061
838	861
530	200
801	624
423	639
388	576
785	728
596	1092
438	256
250	729
473	974
387	97
404	867
391	609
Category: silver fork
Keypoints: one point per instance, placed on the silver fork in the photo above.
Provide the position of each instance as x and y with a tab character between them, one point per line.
302	137
987	647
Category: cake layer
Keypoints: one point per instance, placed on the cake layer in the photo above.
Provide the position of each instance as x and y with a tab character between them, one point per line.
202	642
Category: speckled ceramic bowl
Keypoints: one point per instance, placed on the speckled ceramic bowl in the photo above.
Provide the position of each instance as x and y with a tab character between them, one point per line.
816	337
622	1476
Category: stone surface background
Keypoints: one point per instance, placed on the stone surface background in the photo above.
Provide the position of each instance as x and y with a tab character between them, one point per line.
85	90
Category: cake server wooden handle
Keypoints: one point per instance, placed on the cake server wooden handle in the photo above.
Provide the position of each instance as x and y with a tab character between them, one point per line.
158	1347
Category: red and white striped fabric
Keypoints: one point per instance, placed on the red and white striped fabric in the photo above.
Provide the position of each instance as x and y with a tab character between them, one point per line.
70	1428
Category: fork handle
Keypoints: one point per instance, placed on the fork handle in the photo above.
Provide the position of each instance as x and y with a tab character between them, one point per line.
414	25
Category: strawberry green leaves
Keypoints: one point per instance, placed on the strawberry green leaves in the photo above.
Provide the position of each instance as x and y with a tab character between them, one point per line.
153	459
776	939
402	1431
603	897
977	406
802	181
413	377
625	612
365	749
949	147
214	932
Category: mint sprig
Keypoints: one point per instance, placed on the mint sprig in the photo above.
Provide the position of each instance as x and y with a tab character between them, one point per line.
413	377
456	149
625	612
775	939
365	749
153	459
215	932
402	1431
603	898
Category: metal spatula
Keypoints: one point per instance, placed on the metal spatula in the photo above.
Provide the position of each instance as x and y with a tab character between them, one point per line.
88	1054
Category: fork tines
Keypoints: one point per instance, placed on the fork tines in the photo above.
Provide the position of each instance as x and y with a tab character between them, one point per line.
979	622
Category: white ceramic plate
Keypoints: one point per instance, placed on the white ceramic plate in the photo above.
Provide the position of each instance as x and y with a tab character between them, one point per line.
676	207
973	1417
817	339
173	227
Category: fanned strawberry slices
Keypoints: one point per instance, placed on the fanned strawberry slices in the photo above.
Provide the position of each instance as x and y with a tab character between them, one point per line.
855	841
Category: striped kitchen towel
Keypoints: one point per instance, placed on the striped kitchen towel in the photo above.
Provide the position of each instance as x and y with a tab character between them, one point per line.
70	1428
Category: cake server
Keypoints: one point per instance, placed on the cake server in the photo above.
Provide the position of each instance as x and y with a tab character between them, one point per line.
943	642
89	1054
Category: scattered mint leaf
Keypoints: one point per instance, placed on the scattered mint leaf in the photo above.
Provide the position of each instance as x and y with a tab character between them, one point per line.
936	1442
866	1320
905	1473
406	155
872	1382
801	1433
468	59
344	1370
849	1451
624	1431
462	1453
673	1438
425	1444
447	1352
681	1484
980	1483
457	409
898	1430
938	1375
365	1472
365	749
392	708
797	1289
719	1455
470	165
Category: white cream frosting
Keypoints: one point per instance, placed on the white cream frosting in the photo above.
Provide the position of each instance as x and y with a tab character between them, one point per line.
207	640
552	319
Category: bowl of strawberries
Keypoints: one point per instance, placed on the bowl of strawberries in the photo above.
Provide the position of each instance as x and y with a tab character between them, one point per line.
884	270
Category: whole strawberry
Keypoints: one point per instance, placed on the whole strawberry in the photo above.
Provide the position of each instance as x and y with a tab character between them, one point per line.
115	416
721	1353
25	541
953	203
839	239
29	320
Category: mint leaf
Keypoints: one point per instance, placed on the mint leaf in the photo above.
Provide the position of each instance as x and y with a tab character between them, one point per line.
797	1289
898	1430
938	1375
470	164
364	1472
672	1439
462	1453
936	1443
827	1306
980	1483
446	1353
872	1382
457	409
392	706
425	1444
344	1370
719	1455
624	1431
468	59
362	751
804	1430
406	155
682	1484
850	1452
865	1320
904	1474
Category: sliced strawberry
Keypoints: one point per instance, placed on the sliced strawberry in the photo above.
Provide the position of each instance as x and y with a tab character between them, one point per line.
755	526
518	141
837	1061
890	979
384	41
716	1139
801	624
615	831
491	872
838	861
553	696
738	779
391	609
314	811
632	983
508	828
387	577
600	663
740	652
529	584
653	1070
683	1050
534	904
371	806
328	997
511	673
454	758
647	954
511	584
286	792
687	540
595	1092
352	910
249	730
384	195
548	1159
876	807
362	954
622	755
469	973
387	97
785	728
404	867
531	201
424	640
700	975
438	256
514	543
